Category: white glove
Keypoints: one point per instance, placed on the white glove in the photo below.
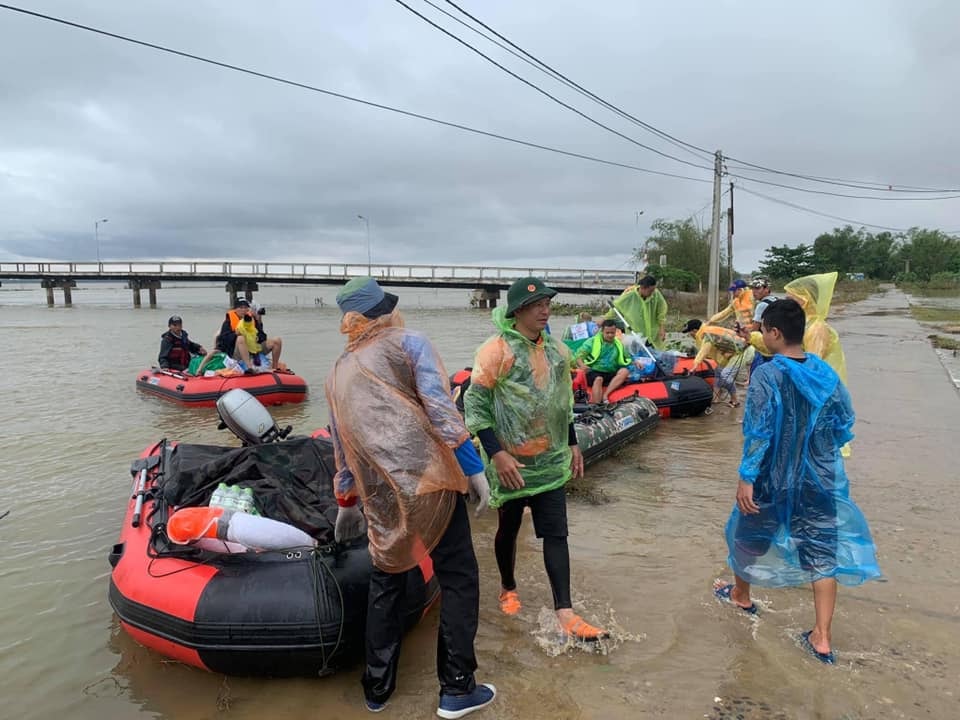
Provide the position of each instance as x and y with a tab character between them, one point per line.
350	524
479	491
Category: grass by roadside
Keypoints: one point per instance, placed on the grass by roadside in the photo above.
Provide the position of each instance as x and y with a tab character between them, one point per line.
850	291
945	320
942	342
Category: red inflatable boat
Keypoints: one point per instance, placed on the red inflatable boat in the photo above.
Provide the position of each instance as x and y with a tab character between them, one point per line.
270	388
293	612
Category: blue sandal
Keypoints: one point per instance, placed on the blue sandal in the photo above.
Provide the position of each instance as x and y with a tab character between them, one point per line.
829	658
723	594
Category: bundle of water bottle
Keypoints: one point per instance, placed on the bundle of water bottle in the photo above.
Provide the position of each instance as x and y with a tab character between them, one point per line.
234	497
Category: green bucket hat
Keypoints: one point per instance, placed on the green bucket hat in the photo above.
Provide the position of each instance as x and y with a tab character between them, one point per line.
525	291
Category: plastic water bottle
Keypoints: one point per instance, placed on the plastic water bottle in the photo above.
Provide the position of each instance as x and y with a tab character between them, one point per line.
223	497
244	500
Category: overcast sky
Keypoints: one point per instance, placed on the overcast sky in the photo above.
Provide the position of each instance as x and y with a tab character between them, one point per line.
187	160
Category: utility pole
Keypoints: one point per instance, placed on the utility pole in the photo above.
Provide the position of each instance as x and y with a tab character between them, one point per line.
730	237
713	289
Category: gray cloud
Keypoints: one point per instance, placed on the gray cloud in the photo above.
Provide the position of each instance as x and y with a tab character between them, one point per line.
188	160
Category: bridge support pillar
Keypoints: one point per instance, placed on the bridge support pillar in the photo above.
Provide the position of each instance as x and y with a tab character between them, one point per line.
152	286
235	287
135	284
65	285
485	298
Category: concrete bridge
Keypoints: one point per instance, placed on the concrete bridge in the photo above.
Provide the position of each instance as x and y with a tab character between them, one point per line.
245	277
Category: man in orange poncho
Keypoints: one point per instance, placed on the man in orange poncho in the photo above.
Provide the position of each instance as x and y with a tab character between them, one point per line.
402	449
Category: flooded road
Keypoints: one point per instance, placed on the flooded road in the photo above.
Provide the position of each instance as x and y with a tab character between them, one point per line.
645	549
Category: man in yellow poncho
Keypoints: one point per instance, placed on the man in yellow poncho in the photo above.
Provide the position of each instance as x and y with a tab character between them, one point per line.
645	309
815	293
740	307
402	449
520	406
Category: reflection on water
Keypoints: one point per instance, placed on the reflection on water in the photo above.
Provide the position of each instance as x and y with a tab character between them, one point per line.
643	557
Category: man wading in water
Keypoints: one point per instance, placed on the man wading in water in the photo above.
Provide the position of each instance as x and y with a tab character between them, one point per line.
794	522
520	405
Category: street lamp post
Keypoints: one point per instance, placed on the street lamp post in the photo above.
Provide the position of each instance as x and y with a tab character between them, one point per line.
96	233
369	261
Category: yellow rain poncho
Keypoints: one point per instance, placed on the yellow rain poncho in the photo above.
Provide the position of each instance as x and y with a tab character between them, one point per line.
815	293
741	307
522	390
395	429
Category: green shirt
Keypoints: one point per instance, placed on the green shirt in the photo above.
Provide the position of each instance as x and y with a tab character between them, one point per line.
607	361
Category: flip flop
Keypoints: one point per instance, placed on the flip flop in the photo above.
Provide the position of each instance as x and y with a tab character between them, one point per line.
829	658
723	595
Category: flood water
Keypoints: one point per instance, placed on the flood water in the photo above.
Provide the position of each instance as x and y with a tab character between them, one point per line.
644	552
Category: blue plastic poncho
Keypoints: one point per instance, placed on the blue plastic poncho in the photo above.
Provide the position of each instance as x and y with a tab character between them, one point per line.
798	415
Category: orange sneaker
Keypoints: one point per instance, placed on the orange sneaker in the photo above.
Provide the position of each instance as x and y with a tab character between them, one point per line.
582	630
510	602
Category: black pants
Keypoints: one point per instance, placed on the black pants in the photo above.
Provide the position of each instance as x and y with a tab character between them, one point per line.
549	510
455	565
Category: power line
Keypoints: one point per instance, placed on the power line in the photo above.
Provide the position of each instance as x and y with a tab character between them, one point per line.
779	201
858	184
843	195
541	66
861	185
543	92
342	96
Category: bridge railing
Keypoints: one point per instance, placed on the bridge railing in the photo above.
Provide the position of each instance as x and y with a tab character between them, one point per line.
280	271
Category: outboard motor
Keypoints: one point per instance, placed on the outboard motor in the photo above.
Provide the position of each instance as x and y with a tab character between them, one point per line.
248	419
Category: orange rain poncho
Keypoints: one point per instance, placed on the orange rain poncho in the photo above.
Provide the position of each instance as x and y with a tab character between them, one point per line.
814	293
394	429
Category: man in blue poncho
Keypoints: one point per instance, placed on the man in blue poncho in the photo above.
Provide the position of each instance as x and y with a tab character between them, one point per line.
794	521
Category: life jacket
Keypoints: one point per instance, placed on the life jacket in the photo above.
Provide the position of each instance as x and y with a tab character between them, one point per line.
597	342
744	306
235	319
179	355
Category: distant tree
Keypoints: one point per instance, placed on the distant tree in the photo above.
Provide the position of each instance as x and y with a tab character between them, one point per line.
929	252
877	258
839	250
784	263
675	278
686	246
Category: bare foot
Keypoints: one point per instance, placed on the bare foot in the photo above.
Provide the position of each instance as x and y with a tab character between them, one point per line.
820	642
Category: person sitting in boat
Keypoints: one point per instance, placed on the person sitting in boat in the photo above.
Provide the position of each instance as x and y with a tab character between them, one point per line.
605	360
176	347
741	305
242	337
722	345
644	309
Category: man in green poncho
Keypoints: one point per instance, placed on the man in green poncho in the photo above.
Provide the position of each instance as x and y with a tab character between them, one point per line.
520	406
645	309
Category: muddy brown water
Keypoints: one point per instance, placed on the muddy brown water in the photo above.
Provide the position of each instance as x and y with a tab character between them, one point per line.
643	561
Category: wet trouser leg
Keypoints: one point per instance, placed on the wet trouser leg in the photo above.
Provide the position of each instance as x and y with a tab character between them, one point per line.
556	558
549	511
384	632
510	517
455	564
